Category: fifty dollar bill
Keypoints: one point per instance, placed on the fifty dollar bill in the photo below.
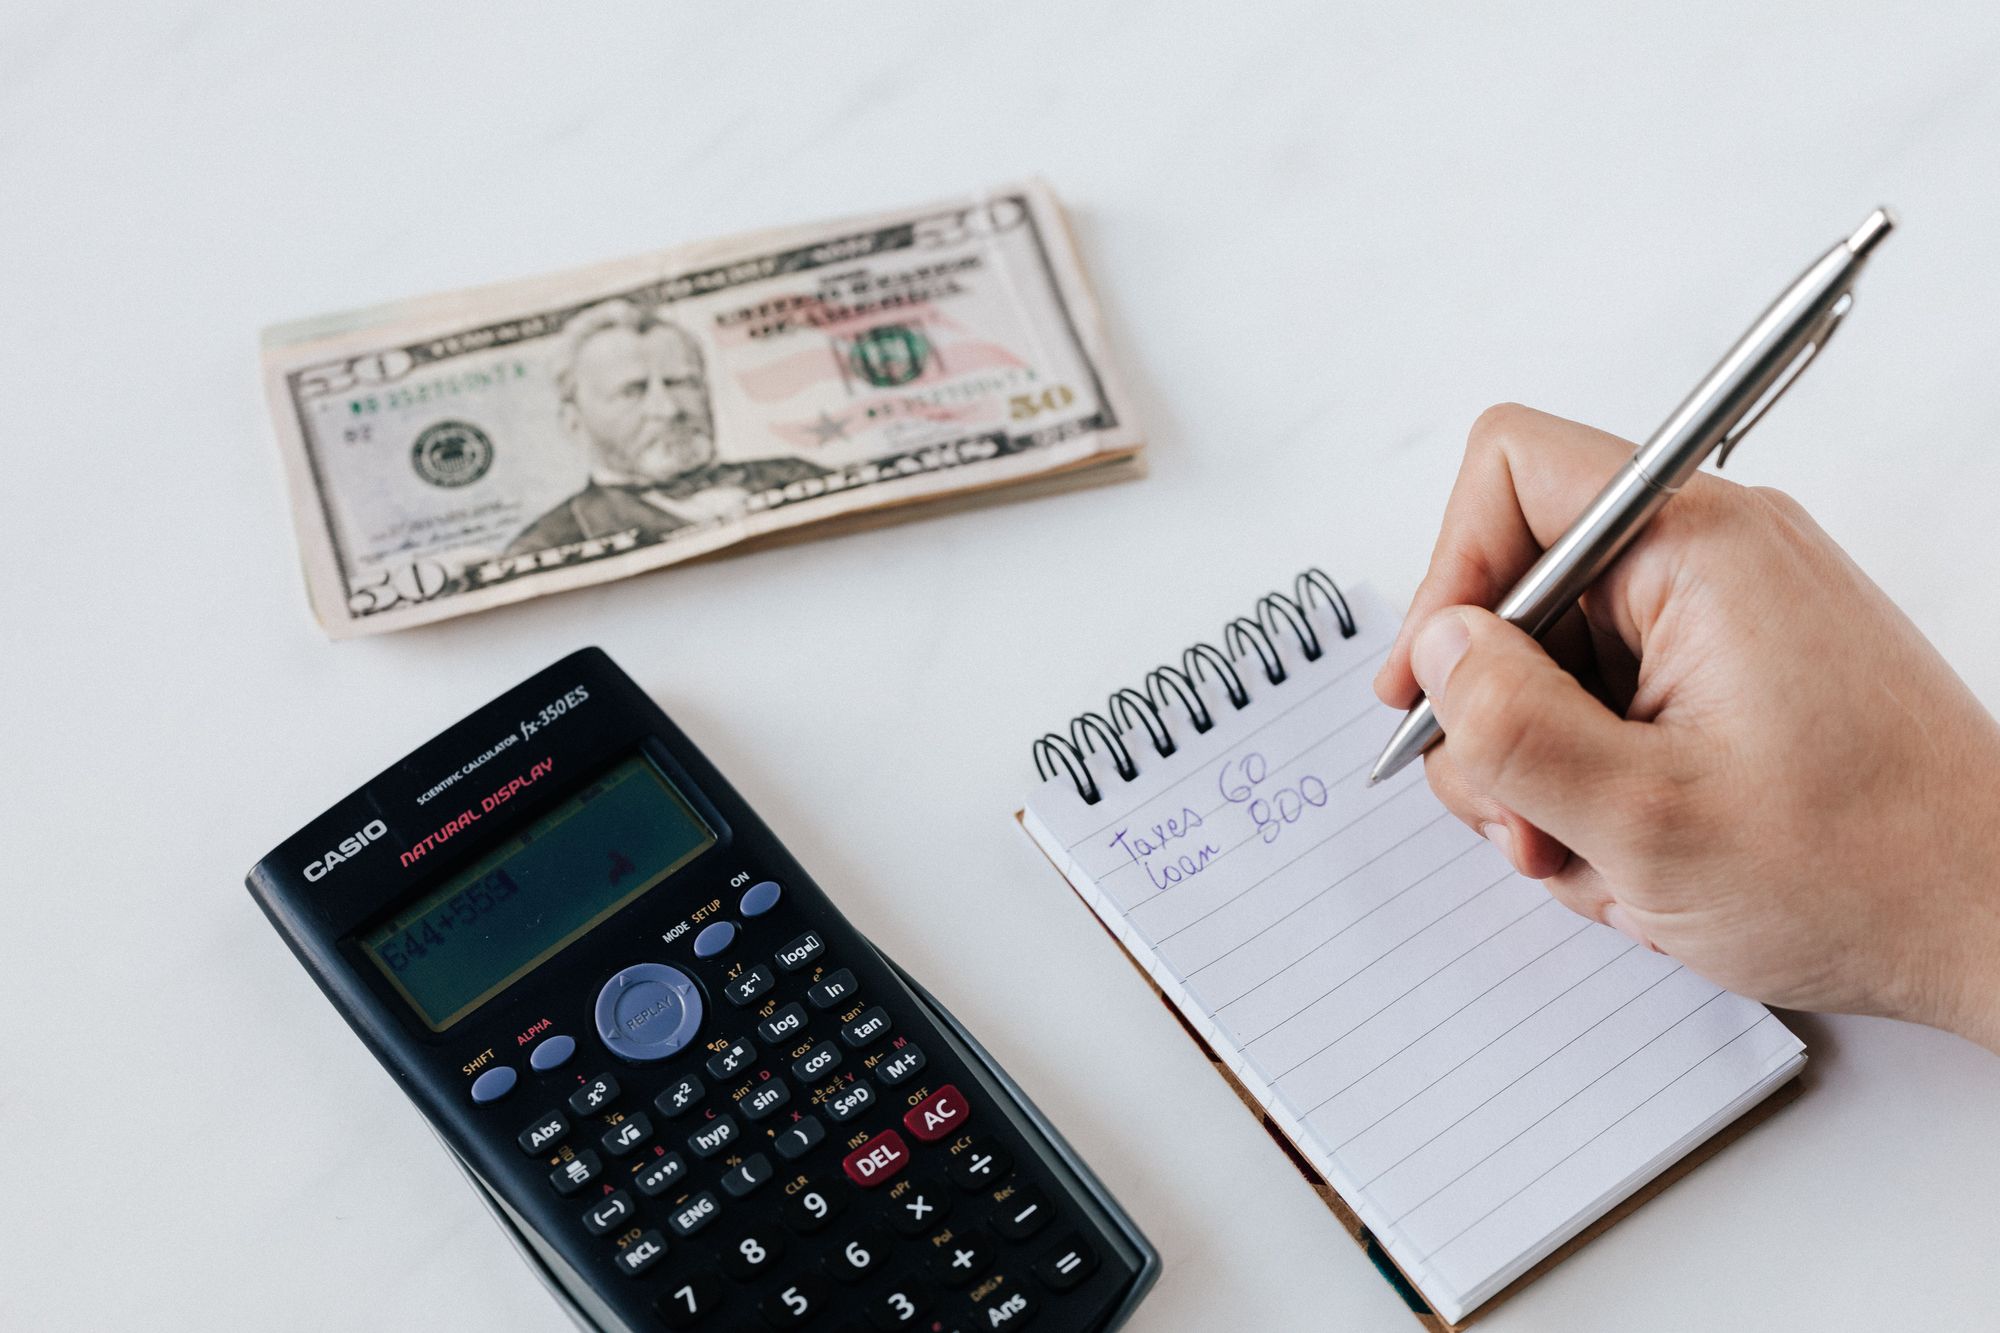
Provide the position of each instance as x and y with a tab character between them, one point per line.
465	450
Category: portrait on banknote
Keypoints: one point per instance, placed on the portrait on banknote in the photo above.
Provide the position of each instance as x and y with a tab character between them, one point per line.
633	395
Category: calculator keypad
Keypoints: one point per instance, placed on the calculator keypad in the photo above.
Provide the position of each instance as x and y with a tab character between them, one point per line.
747	1175
627	1135
732	1059
714	1136
594	1095
573	1174
916	1219
613	1210
661	1174
539	1137
680	1096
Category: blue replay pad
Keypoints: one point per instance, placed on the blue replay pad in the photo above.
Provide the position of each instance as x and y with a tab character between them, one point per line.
648	1012
690	1089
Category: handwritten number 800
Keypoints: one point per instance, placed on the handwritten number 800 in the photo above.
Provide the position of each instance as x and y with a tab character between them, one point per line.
1270	813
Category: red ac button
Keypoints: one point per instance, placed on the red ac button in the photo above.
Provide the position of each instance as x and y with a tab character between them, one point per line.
938	1114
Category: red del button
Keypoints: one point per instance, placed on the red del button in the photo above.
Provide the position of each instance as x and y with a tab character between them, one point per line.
877	1160
937	1115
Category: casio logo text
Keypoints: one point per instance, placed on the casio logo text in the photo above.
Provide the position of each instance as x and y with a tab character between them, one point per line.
350	845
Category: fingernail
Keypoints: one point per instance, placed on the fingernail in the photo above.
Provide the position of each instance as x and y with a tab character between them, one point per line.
1620	920
1438	647
1501	837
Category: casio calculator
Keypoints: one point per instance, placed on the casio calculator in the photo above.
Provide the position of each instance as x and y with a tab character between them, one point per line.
692	1093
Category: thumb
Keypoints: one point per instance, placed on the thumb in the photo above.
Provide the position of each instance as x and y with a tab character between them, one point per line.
1520	728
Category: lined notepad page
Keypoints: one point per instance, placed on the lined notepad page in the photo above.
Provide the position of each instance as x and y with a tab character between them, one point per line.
1479	1072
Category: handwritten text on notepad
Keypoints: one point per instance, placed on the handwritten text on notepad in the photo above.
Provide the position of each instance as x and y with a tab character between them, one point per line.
1170	852
1277	807
1153	851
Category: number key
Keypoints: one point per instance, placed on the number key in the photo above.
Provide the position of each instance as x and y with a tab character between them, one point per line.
793	1305
861	1257
594	1095
690	1302
753	1254
814	1206
895	1308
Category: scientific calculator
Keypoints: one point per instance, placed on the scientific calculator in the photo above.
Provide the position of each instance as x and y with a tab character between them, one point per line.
689	1089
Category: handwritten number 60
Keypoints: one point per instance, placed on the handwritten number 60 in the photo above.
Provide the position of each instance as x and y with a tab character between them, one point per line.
1252	769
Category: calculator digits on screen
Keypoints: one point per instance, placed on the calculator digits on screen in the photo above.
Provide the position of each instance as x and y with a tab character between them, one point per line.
693	1094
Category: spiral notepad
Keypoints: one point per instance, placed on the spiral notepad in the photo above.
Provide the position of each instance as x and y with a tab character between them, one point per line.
1476	1073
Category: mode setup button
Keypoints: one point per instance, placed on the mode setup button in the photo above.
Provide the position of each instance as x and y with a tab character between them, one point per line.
648	1012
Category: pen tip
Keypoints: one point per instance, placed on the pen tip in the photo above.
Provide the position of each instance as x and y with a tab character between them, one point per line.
1879	224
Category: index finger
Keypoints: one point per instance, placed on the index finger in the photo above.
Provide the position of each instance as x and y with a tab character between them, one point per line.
1525	477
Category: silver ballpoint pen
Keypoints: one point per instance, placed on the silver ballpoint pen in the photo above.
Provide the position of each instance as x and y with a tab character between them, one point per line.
1733	398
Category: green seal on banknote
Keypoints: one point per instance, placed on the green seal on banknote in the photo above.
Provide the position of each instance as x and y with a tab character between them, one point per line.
889	355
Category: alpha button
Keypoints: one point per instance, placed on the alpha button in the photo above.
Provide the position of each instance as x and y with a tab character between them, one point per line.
648	1012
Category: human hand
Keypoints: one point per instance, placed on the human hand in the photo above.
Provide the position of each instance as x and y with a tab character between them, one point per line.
1753	761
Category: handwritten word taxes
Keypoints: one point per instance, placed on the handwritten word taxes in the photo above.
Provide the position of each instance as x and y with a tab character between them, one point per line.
1183	862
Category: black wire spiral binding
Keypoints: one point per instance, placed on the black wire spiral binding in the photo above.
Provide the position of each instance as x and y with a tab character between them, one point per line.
1167	686
1243	630
1125	700
1232	684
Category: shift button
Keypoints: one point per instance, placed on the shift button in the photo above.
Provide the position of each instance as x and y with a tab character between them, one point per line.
494	1084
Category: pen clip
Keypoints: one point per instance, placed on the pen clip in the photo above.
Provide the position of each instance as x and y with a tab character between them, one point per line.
1827	324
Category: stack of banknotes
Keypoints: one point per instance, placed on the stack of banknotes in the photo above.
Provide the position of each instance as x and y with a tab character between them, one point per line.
461	451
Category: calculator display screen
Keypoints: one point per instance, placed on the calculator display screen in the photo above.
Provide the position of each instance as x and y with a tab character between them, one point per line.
464	942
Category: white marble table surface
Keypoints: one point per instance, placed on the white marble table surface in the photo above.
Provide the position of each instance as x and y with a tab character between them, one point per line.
1326	236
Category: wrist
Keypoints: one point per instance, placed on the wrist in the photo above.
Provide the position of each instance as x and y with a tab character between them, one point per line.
1968	981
